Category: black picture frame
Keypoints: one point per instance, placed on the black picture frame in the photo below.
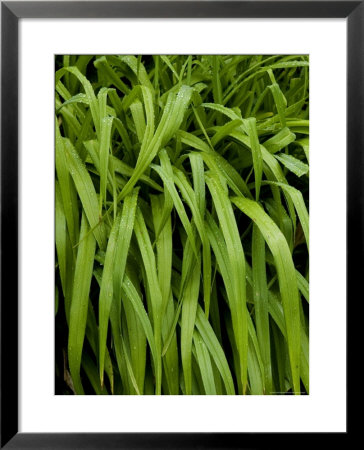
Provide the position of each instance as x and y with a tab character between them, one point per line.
11	12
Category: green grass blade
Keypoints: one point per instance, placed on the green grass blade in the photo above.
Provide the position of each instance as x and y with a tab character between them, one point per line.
215	350
286	275
189	308
260	289
135	300
149	262
106	294
293	164
205	365
237	266
67	189
79	305
105	138
279	140
86	192
251	128
298	201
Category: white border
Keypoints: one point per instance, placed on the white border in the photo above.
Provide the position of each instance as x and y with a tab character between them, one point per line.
325	408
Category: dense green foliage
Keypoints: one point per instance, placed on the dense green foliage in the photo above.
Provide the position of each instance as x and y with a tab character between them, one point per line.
182	224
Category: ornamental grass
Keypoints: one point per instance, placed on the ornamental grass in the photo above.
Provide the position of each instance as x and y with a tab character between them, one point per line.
182	230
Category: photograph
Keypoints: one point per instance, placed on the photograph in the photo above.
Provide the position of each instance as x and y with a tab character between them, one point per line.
181	224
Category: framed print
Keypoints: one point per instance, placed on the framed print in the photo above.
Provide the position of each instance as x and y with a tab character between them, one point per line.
181	214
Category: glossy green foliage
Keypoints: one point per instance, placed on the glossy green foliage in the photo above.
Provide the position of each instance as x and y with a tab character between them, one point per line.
182	225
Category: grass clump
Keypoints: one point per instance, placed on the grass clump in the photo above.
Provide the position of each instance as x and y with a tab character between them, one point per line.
182	224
